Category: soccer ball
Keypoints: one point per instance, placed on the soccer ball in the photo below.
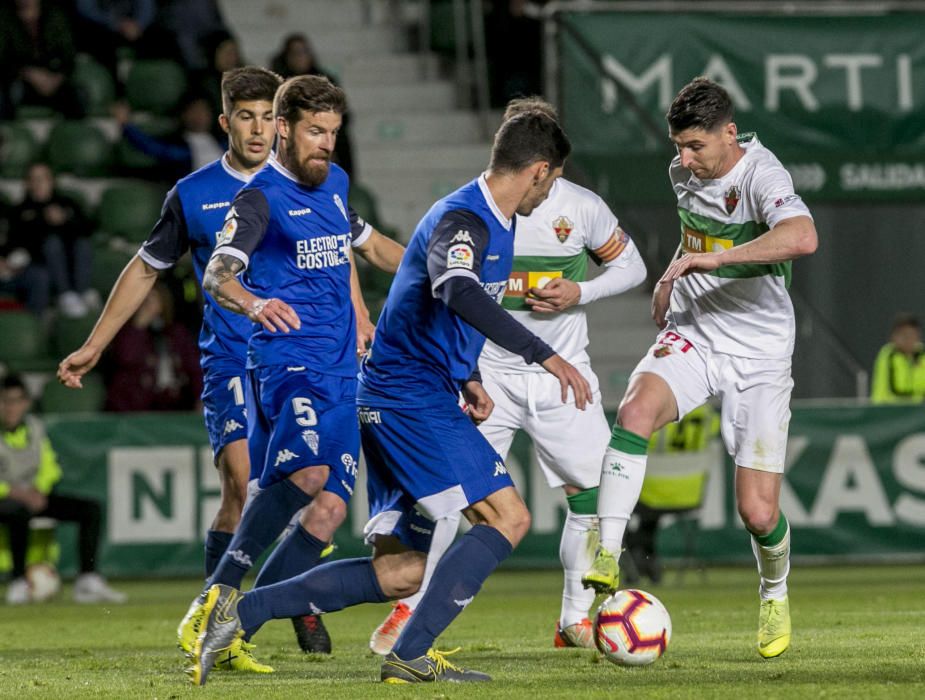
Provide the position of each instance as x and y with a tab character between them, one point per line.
44	582
632	628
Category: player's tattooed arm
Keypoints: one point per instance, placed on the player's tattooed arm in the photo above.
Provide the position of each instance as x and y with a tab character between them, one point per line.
221	281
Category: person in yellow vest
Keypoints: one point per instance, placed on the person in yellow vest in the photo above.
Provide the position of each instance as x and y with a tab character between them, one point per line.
899	370
29	472
669	490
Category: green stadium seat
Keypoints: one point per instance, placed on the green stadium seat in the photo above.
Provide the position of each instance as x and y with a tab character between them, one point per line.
130	158
70	333
95	85
364	203
80	148
18	149
129	210
57	398
25	346
108	264
155	86
35	112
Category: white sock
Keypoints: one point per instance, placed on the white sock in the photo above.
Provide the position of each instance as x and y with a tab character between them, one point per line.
773	567
621	482
576	552
444	534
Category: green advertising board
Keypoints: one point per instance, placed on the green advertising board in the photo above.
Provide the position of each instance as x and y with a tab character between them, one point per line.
854	487
839	99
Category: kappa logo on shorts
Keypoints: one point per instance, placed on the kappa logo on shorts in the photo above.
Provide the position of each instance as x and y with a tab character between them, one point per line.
312	440
500	469
284	456
231	425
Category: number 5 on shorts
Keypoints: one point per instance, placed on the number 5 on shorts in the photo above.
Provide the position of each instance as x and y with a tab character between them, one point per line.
304	413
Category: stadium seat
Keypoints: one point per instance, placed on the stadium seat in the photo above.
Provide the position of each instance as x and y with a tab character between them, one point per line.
70	333
364	203
80	148
18	149
57	398
25	346
108	264
442	27
155	86
130	160
95	85
129	210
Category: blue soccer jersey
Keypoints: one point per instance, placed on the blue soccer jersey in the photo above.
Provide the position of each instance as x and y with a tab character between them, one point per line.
422	348
304	236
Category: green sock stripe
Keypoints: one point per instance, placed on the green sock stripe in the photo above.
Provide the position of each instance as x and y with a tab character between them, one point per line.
776	536
583	502
625	441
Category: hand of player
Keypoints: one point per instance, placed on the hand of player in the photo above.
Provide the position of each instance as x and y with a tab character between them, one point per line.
478	402
558	295
366	333
661	300
569	377
691	262
274	315
30	497
73	367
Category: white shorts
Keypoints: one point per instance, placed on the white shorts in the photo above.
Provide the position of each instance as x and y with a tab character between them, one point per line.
755	396
569	443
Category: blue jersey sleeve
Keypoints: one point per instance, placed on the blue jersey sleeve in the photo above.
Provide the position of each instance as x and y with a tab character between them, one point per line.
245	225
456	247
169	239
360	229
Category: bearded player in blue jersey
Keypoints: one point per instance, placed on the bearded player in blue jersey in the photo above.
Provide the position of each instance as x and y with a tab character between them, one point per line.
426	458
192	218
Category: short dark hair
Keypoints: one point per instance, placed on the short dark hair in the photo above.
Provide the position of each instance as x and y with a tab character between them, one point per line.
701	104
248	83
309	93
526	139
520	105
906	319
13	381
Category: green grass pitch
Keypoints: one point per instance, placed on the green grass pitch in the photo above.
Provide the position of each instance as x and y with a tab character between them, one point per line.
859	632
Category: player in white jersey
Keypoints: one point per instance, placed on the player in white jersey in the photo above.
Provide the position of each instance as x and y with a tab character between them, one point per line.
546	292
729	333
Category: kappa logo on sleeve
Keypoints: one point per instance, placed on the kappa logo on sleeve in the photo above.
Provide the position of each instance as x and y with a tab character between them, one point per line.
460	256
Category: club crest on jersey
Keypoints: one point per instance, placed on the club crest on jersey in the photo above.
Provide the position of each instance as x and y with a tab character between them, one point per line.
662	351
563	228
340	205
732	199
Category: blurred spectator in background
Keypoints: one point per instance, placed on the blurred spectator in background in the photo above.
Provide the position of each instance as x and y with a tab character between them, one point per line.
514	42
29	473
188	23
899	370
154	362
54	231
223	53
106	26
36	58
191	147
296	57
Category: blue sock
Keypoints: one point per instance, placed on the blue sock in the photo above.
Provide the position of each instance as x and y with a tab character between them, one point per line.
216	544
326	588
261	522
457	578
296	554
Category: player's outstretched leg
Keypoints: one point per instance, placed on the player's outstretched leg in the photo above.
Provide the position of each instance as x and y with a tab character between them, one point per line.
772	551
576	552
221	627
387	633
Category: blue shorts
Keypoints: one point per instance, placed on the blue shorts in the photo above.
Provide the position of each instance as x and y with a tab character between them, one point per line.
424	464
223	407
300	418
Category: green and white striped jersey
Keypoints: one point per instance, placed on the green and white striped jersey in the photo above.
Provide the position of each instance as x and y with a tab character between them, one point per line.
742	310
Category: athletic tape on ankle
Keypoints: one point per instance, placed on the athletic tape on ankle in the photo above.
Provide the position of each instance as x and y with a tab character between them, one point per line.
625	441
583	502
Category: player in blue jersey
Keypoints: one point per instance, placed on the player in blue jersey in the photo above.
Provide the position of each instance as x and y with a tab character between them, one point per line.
288	234
192	218
426	458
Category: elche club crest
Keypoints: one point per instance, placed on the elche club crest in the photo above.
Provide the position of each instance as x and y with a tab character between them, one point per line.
732	198
562	227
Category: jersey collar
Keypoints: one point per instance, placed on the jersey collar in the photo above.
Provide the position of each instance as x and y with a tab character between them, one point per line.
282	170
486	193
226	166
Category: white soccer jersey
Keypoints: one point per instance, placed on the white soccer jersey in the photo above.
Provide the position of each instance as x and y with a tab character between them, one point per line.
556	240
742	310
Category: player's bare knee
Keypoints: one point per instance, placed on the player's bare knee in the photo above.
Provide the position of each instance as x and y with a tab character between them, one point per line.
400	573
515	523
324	515
637	416
311	479
759	518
